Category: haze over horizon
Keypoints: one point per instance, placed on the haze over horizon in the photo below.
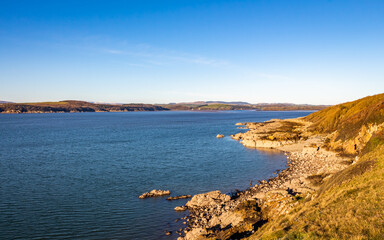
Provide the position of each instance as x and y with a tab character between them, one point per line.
303	52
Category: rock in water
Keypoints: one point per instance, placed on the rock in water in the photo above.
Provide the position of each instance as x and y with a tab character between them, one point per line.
220	136
207	199
179	197
155	193
180	208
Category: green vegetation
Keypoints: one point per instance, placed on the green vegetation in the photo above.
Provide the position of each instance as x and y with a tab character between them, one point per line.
206	106
376	140
82	106
74	106
224	107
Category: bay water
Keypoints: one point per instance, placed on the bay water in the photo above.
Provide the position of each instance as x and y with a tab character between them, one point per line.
79	175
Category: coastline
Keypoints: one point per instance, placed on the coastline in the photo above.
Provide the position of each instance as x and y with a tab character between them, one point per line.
152	110
68	106
212	215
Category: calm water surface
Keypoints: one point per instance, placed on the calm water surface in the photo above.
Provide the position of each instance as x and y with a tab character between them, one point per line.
78	175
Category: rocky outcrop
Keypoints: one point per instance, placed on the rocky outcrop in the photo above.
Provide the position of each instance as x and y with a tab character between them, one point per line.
272	134
220	136
356	144
254	143
179	197
181	208
207	199
155	193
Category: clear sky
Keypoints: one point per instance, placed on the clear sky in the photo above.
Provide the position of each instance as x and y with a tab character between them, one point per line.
299	51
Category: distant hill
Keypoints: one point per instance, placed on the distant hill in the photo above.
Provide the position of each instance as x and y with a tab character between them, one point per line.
74	106
5	102
82	106
220	105
288	107
210	102
230	103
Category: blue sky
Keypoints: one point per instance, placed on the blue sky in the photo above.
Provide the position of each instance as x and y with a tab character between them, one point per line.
299	51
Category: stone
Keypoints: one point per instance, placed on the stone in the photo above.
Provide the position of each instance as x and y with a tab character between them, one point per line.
194	234
181	208
220	136
155	193
179	197
208	199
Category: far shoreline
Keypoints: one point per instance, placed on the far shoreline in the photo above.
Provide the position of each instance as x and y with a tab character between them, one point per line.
69	106
202	111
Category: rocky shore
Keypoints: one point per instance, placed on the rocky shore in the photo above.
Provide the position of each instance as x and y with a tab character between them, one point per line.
215	215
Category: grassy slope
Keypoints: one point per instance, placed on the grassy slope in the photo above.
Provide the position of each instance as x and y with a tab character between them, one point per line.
74	106
349	117
349	205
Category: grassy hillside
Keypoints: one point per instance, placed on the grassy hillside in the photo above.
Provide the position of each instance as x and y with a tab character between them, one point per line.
220	106
288	107
74	106
350	204
348	118
209	106
351	124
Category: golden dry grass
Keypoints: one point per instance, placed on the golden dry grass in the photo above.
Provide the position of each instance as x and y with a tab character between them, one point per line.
348	118
350	205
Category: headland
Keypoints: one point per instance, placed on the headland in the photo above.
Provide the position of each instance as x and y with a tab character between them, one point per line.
335	165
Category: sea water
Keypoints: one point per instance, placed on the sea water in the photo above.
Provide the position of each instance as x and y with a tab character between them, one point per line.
79	175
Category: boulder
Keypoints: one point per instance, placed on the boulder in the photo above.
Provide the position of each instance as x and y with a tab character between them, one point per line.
179	197
220	136
180	208
195	233
155	193
207	199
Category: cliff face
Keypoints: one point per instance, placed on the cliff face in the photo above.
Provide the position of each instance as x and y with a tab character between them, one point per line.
332	187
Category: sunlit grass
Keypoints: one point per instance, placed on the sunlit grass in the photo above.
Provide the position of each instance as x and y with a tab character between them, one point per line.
350	205
348	118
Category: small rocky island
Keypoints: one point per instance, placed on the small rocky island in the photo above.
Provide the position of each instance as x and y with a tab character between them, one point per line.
155	193
179	197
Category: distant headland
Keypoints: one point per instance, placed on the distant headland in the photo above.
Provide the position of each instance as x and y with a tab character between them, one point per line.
68	106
